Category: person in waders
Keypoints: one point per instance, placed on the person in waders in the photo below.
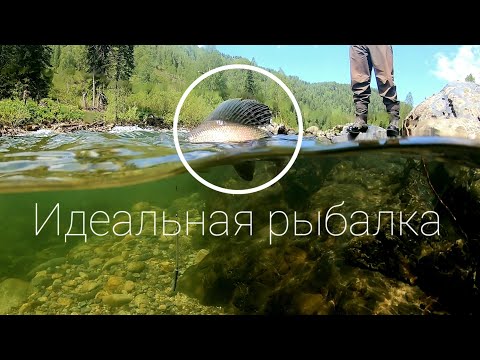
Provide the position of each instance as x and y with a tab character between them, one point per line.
362	59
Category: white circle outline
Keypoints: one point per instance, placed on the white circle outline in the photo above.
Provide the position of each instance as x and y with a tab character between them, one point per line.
271	181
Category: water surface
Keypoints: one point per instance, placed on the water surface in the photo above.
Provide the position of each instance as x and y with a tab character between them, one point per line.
135	171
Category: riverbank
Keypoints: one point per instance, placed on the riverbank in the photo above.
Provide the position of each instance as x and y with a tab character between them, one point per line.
336	134
72	126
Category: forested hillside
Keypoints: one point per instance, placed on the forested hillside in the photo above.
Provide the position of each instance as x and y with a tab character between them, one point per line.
123	82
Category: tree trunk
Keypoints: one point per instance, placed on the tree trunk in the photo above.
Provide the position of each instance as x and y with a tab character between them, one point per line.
93	96
116	100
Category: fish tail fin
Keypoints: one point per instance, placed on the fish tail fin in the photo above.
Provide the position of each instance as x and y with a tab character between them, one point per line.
242	111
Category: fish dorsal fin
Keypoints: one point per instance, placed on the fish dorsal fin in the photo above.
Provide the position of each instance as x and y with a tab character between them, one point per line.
242	111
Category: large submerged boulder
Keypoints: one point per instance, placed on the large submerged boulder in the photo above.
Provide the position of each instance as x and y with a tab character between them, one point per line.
349	270
454	111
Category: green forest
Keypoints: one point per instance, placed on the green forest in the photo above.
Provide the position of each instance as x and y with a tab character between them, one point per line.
129	84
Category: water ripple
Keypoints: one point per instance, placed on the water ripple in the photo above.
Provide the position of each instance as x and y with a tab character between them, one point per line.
130	154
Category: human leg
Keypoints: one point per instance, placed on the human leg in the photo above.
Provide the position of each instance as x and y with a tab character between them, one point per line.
382	61
360	74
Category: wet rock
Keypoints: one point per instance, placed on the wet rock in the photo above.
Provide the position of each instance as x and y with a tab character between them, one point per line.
101	251
64	301
13	293
32	127
57	283
453	111
114	283
96	262
166	266
47	264
136	266
141	300
313	304
379	272
312	130
144	257
56	276
373	133
129	286
113	261
200	255
115	300
282	130
41	279
89	286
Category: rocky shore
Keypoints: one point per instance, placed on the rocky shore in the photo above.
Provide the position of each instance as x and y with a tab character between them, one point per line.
68	127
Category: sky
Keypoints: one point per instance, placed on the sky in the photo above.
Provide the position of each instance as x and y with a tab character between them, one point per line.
420	69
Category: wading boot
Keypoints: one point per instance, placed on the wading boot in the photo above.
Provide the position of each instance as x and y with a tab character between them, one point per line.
392	129
360	125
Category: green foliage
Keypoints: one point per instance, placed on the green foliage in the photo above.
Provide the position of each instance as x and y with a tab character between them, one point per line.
156	102
118	108
250	88
50	110
13	111
122	61
98	59
194	110
470	78
25	68
405	110
130	114
149	79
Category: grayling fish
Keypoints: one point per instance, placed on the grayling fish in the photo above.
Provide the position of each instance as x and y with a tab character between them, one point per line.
234	120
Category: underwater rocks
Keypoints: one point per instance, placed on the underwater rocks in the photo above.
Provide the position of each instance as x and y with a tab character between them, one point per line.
108	275
340	134
453	111
117	299
49	263
381	272
378	273
200	255
136	266
285	279
13	292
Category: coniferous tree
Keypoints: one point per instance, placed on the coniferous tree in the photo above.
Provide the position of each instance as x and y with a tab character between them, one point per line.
409	99
123	63
98	61
250	88
470	78
25	68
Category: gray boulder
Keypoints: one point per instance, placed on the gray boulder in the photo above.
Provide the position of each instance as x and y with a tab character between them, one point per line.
454	111
373	133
